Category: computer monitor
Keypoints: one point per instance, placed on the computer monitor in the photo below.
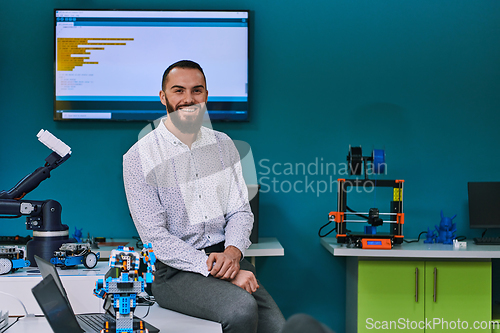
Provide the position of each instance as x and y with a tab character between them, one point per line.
109	63
484	205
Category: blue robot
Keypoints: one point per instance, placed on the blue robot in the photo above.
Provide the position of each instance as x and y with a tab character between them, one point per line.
11	259
72	254
123	284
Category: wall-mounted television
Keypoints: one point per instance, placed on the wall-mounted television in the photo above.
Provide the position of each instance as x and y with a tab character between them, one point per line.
109	63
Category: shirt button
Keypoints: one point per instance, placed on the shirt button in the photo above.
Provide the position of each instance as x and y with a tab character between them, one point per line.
206	217
200	196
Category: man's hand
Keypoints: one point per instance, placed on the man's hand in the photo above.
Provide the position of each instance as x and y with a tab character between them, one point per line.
224	265
246	280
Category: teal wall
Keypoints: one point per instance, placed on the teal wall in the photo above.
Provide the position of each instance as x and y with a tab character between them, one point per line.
420	78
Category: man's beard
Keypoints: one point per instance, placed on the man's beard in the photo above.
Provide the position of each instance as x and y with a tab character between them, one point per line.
189	126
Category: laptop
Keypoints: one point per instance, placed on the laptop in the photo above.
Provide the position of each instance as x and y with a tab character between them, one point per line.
54	302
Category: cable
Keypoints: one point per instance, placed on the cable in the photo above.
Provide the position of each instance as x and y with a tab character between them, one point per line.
484	232
417	240
149	307
458	238
353	211
7	327
27	314
138	244
329	232
146	300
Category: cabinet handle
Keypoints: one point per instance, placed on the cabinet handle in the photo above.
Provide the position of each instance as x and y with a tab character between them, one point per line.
416	284
435	283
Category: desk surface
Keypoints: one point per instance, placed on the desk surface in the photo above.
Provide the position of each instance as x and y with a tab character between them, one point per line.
167	321
78	271
415	250
266	247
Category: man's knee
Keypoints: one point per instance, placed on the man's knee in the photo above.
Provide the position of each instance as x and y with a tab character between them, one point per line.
242	316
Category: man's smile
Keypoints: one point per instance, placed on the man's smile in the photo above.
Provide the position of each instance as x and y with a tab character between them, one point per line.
190	108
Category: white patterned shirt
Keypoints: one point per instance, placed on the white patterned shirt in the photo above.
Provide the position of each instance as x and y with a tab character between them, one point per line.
183	200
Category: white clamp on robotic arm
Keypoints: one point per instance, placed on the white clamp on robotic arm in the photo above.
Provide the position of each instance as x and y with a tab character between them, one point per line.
53	143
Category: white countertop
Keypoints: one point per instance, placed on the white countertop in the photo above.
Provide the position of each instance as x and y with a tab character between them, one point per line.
415	250
166	320
266	247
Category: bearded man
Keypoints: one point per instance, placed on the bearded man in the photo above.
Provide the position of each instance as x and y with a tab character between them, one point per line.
188	198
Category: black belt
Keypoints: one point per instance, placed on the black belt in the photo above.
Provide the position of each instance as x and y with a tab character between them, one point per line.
215	248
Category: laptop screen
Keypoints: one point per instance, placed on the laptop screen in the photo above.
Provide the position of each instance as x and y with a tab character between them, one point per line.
46	268
55	307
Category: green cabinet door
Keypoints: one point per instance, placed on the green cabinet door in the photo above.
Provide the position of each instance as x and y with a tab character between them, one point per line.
390	295
458	295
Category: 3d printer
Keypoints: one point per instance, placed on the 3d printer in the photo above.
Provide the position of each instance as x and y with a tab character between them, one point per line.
370	239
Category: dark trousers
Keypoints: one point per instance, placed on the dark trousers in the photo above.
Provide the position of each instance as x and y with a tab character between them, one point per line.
301	322
217	300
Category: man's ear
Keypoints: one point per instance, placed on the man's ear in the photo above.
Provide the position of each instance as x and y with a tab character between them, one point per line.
162	98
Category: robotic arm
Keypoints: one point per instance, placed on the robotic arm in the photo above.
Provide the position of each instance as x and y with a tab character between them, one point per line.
43	217
61	152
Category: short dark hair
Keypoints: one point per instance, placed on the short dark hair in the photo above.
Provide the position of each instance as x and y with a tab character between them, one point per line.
181	64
